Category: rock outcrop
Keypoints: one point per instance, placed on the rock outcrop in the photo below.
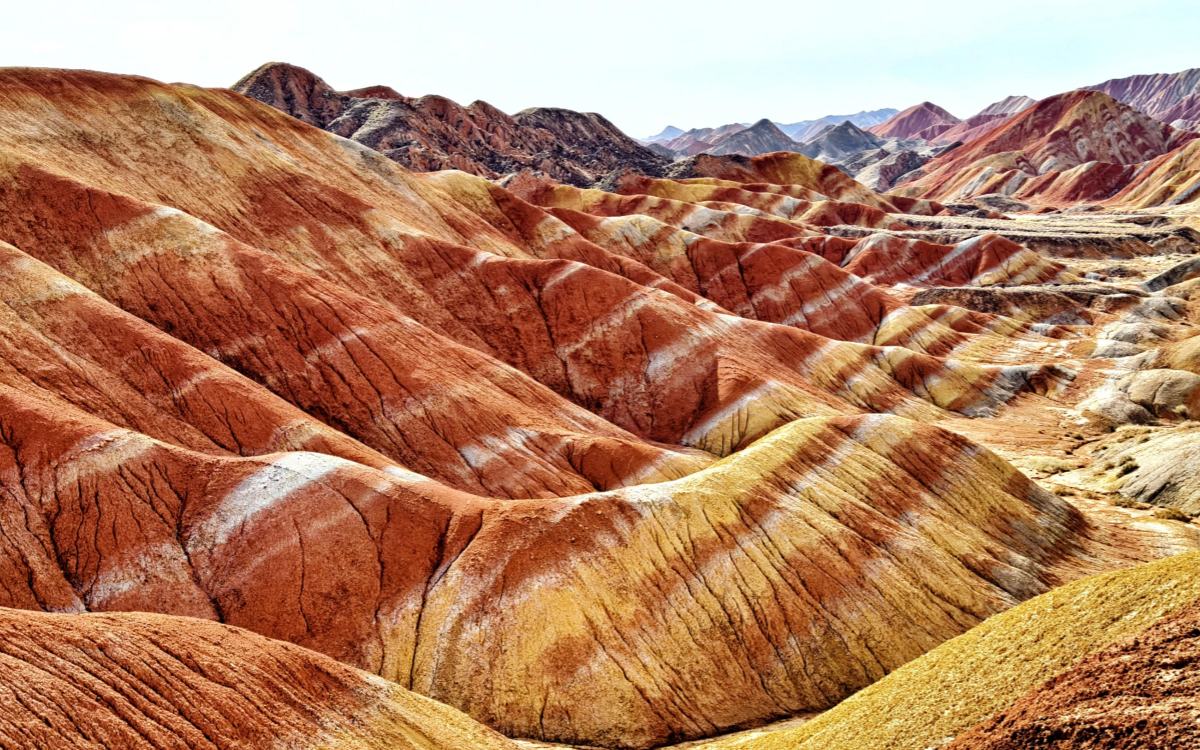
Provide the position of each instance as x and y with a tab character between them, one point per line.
840	141
1140	694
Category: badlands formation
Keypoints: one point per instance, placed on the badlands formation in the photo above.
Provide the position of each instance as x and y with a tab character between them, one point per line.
348	419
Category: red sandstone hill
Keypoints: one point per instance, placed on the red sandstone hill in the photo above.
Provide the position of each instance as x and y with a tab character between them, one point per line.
432	132
143	680
925	120
987	119
1057	134
582	464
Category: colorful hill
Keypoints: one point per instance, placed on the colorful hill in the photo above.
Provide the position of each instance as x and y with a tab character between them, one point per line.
925	120
614	466
1077	130
984	676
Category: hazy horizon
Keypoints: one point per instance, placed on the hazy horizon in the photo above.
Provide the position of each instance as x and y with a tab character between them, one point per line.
642	66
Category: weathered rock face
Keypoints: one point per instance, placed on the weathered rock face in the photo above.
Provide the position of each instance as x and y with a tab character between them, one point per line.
890	169
142	680
608	467
783	169
1185	114
1130	628
1143	692
433	132
925	120
1171	179
430	580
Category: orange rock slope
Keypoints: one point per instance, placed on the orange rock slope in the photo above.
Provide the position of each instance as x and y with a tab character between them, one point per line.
611	468
141	680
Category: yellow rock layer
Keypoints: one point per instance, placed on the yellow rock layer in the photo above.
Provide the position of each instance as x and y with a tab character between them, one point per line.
971	677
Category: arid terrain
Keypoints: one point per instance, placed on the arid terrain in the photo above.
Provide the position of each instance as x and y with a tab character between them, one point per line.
354	419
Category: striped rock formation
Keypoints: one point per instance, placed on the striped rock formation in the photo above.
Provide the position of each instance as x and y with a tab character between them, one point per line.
785	168
1142	693
1171	179
925	121
1094	664
748	553
612	468
984	121
1085	131
142	680
1158	95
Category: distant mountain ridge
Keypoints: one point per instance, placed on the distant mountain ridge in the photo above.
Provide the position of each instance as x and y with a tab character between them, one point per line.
925	120
840	141
1053	140
665	134
1159	95
760	138
807	129
799	131
433	133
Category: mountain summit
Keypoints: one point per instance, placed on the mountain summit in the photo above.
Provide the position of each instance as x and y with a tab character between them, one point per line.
762	137
925	120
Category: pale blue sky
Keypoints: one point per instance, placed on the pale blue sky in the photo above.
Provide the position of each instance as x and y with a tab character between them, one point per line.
643	64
